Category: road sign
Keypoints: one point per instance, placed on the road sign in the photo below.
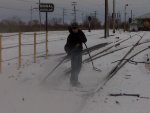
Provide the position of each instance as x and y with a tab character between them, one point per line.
46	7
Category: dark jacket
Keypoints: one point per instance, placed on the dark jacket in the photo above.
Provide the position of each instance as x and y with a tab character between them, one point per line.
74	41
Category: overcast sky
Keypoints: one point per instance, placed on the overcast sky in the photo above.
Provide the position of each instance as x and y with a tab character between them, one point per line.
21	8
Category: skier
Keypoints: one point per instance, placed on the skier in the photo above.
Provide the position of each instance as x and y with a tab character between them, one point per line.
74	48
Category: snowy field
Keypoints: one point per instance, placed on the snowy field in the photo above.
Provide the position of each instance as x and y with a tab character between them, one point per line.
24	91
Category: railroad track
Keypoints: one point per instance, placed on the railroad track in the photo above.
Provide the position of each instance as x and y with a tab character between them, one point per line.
108	53
109	48
98	46
113	51
121	63
66	58
112	73
128	56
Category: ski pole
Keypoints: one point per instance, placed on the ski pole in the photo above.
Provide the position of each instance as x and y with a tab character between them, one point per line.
91	59
51	72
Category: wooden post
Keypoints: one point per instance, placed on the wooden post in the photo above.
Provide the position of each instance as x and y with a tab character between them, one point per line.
34	47
46	44
0	53
19	59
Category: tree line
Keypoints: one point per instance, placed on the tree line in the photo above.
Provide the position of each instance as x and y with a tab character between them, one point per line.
15	24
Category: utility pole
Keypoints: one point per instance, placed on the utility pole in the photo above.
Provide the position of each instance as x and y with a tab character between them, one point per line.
95	14
40	16
120	17
125	14
64	13
106	31
118	20
74	11
131	14
114	16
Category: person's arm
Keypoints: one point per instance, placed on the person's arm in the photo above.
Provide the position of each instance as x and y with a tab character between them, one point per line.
67	45
83	38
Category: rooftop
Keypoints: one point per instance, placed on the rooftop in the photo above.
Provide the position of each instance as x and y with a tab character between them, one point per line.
147	15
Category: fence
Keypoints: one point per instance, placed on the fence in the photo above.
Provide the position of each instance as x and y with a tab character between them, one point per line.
20	44
35	43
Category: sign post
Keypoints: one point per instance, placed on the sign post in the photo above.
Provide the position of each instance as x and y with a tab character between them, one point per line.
46	7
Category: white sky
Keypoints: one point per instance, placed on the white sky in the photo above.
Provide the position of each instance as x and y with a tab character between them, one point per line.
86	7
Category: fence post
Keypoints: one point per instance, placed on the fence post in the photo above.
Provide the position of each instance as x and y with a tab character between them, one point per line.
19	58
0	53
46	44
34	47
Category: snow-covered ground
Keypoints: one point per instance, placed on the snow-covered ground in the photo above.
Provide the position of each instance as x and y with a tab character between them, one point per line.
24	91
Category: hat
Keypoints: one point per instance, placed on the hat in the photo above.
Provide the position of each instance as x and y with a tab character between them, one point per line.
74	25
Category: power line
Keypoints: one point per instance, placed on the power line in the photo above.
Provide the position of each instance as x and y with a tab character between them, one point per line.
79	10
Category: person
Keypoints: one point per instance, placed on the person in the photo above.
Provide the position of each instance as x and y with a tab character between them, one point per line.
74	48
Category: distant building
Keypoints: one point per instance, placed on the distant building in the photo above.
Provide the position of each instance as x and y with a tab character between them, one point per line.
133	27
144	22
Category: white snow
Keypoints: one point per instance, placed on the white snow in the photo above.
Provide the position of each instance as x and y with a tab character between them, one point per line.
24	91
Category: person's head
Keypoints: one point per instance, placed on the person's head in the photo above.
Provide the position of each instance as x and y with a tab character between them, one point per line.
75	27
